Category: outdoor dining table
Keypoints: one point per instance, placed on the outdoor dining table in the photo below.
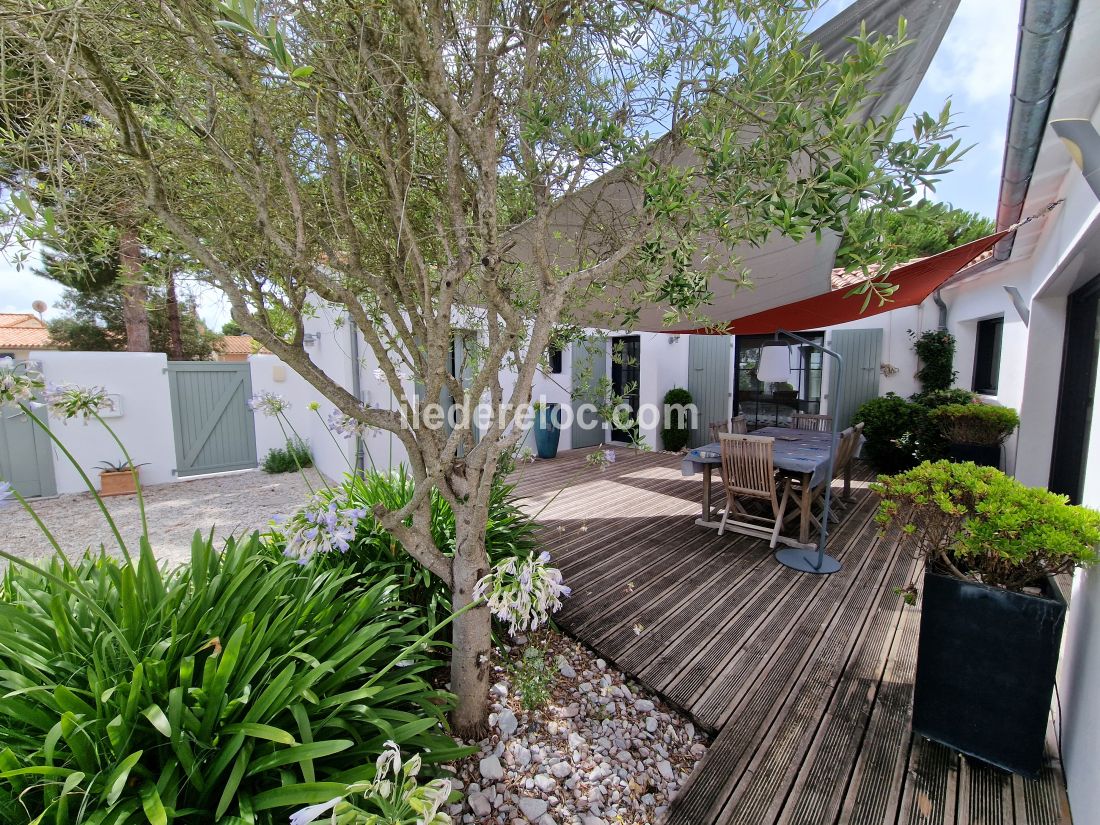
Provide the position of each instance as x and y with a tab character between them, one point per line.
800	452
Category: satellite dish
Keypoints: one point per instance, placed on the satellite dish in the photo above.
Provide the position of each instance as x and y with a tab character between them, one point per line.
40	307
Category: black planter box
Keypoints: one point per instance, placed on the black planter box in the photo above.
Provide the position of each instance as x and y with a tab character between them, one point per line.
986	663
984	455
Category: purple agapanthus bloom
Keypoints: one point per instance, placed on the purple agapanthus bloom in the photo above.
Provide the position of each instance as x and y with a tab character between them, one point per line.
322	526
345	426
269	403
5	492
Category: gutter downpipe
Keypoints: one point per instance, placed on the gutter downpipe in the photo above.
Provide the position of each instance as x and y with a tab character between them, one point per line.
356	390
938	298
1044	32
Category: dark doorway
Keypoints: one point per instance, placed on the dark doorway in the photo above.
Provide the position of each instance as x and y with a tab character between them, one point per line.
771	405
626	353
1076	391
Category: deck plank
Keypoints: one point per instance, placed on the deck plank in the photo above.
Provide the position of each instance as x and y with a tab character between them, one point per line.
805	681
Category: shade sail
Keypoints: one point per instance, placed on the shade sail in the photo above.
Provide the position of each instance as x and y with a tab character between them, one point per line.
585	224
915	282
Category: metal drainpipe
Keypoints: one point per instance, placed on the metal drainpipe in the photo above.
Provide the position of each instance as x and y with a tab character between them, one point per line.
356	390
943	308
1044	31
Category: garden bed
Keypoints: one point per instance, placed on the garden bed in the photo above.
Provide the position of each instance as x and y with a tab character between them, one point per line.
599	751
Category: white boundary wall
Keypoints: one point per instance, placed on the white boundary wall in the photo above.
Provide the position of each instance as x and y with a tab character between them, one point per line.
140	380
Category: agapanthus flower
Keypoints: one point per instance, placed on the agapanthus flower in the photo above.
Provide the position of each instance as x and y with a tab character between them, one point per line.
523	593
68	401
314	812
394	793
601	458
5	492
345	426
17	384
269	403
324	525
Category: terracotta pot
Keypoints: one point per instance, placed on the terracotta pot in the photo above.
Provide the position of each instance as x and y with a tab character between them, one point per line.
116	483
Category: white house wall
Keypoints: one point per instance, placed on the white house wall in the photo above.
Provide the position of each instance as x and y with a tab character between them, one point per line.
664	366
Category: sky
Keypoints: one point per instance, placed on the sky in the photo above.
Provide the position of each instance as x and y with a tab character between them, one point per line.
973	68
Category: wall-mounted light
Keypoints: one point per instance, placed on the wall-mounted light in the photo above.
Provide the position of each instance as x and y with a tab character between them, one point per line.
1083	144
310	338
1019	304
673	339
775	363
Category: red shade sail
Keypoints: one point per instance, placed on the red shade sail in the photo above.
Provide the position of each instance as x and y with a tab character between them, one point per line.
915	282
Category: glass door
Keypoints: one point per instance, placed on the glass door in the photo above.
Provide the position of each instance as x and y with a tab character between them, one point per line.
771	404
1077	390
625	378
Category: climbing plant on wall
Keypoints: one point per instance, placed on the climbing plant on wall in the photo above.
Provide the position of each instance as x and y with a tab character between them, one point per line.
936	350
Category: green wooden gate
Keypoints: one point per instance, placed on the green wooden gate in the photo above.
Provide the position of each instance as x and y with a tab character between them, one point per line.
589	367
708	383
861	350
26	461
213	426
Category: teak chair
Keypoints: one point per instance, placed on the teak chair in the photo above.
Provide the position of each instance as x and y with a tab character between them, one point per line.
748	472
738	425
809	421
845	449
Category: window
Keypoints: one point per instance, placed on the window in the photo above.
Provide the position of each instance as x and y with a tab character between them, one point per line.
987	355
771	405
553	355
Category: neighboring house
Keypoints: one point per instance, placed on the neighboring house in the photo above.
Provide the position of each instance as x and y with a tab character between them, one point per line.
21	333
237	348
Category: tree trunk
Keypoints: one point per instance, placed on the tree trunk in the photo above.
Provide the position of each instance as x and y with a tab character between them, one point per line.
135	313
471	657
172	308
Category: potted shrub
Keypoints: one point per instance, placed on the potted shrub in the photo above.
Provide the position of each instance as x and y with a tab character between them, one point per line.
992	616
892	426
975	432
546	429
118	478
677	429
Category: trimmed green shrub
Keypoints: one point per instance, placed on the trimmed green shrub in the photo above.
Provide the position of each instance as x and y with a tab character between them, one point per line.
373	552
230	689
677	429
975	423
294	456
936	350
893	428
977	523
940	398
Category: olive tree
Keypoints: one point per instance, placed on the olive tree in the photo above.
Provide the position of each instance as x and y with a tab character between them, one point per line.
483	167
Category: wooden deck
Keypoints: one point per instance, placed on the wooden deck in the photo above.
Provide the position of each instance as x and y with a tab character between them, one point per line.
804	681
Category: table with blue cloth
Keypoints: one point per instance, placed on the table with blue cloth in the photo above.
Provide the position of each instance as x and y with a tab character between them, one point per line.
800	452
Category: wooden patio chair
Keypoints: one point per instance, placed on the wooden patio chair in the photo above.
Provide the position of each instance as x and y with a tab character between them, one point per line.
748	472
738	425
810	421
846	495
845	449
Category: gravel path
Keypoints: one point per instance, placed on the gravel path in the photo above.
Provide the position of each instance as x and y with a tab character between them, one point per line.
231	503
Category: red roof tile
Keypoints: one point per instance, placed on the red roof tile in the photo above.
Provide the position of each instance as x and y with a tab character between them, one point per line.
22	330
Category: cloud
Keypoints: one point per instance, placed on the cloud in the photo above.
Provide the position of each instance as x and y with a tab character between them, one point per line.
976	59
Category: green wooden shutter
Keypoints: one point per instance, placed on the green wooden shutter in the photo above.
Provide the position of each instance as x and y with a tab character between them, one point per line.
708	382
861	350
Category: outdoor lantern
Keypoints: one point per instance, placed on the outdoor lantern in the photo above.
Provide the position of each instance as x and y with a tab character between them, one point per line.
775	363
1083	143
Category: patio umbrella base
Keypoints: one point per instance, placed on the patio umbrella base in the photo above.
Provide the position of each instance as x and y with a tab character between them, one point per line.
805	561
